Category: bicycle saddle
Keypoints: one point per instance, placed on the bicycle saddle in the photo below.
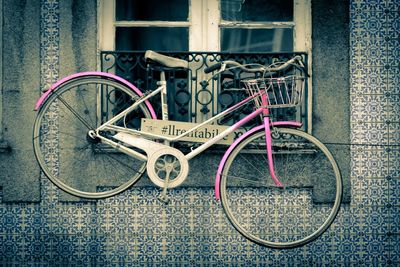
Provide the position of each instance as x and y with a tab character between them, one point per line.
166	61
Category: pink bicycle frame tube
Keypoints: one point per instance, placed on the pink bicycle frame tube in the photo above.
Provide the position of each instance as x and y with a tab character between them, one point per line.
43	98
245	135
268	140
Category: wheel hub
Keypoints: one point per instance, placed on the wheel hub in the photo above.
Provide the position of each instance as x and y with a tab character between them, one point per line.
92	138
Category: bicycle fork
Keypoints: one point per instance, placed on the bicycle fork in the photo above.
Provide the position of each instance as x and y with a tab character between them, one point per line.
268	141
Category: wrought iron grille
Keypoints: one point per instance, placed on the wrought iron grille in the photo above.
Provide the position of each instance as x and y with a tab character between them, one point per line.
190	97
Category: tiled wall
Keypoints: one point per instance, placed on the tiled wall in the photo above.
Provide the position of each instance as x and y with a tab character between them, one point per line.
135	229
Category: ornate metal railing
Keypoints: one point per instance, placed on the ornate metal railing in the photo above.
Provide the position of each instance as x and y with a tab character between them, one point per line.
193	99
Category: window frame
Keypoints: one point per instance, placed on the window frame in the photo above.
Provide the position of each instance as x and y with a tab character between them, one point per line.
204	27
301	25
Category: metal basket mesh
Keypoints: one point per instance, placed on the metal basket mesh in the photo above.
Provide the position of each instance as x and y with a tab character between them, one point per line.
282	92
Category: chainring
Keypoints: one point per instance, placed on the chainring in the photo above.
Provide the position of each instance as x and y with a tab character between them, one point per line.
167	160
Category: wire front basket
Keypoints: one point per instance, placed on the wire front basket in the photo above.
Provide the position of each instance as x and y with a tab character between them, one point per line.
281	92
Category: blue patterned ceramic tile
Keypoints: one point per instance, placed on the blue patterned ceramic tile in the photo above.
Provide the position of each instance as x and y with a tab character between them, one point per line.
371	192
368	249
392	25
394	166
373	220
178	221
377	77
375	80
374	24
345	217
357	156
376	249
376	55
11	247
394	189
50	38
369	163
394	134
393	46
393	5
78	219
394	250
394	218
393	80
392	109
366	5
369	108
370	5
9	220
377	136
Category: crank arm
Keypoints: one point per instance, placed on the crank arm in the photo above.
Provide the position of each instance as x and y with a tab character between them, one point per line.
163	196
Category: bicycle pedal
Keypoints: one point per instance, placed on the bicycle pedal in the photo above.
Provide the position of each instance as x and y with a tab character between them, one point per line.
164	199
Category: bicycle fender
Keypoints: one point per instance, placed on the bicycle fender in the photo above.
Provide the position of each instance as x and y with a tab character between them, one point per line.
53	87
237	141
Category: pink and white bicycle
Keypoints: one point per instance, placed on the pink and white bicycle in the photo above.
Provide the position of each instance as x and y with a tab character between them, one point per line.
265	179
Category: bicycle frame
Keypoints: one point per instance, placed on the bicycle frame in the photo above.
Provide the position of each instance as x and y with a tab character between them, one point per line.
263	111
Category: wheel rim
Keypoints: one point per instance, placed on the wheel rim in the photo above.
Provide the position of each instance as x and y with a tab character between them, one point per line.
71	159
275	217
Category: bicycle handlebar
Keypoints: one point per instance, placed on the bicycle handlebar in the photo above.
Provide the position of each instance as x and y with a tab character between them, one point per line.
213	67
295	61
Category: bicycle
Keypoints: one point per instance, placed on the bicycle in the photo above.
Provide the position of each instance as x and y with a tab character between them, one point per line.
254	177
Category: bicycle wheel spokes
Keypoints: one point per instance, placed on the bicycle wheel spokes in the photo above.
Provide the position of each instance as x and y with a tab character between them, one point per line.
281	217
74	161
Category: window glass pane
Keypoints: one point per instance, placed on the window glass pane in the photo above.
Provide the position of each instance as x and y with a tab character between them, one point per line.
171	10
256	40
257	10
155	38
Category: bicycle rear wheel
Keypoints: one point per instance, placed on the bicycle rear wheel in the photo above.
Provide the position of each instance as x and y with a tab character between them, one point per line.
281	217
71	159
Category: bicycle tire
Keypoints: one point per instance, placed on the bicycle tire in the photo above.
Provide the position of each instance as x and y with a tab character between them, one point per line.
74	162
280	217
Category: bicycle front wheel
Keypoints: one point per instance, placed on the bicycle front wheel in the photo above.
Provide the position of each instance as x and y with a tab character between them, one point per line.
281	217
75	162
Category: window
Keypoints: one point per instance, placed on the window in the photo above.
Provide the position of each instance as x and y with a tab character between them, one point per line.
206	25
157	25
234	26
248	26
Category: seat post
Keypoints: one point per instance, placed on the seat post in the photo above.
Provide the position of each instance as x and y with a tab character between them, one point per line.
164	97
